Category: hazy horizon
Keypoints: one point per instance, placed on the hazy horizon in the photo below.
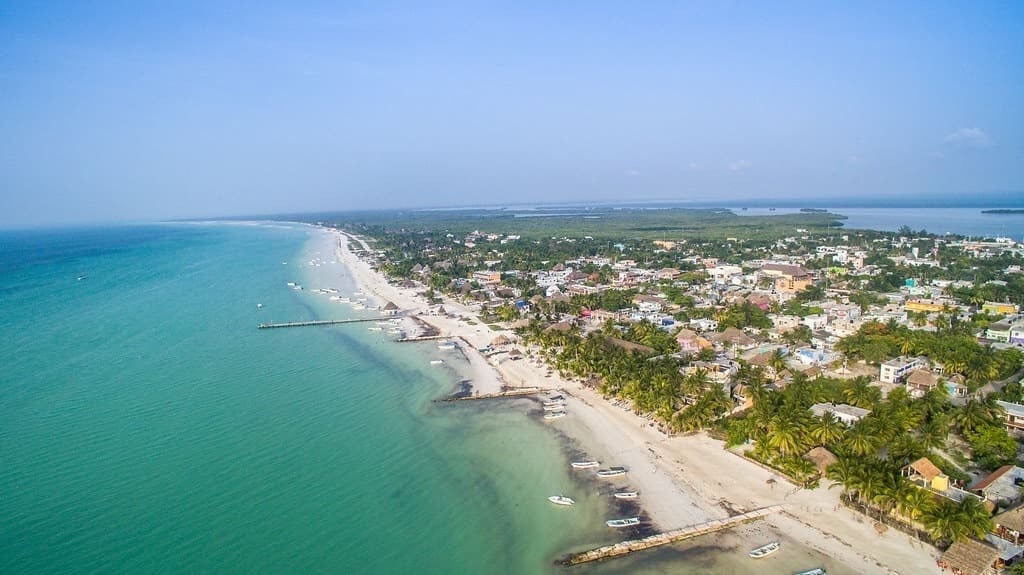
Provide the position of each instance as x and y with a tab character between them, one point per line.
115	113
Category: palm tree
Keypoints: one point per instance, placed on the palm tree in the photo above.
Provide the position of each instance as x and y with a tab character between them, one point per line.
826	430
971	416
785	435
777	362
861	441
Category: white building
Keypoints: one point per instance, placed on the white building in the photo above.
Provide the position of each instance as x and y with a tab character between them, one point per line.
848	414
894	370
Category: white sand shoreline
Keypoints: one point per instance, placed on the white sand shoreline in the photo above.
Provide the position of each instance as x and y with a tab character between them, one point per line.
682	480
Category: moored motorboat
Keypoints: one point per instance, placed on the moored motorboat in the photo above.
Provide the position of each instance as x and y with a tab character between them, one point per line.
627	522
585	464
554	414
446	345
556	407
766	549
815	571
626	494
560	500
611	472
436	361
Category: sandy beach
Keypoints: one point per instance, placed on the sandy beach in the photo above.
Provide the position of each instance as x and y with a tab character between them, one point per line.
683	480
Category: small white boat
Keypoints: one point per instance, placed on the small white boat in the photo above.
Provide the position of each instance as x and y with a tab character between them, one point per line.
585	464
626	494
291	284
374	329
765	550
554	414
560	500
436	361
612	472
358	306
446	345
627	522
259	306
815	571
556	407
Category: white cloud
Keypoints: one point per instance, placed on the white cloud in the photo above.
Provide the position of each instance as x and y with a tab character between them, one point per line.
854	160
694	166
968	138
739	165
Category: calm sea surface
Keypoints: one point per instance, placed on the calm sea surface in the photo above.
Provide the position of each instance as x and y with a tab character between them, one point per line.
146	425
962	221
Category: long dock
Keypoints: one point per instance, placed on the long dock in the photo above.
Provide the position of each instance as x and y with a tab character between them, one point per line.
321	322
501	394
626	547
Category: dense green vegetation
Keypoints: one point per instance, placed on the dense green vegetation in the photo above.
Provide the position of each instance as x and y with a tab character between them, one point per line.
596	222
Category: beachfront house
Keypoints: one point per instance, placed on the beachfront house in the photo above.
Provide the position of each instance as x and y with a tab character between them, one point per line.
1008	534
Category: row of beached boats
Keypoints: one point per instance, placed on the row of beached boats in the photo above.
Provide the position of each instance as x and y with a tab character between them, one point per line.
554	407
610	472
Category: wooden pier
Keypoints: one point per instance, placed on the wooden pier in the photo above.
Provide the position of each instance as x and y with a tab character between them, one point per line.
321	322
518	392
421	338
626	547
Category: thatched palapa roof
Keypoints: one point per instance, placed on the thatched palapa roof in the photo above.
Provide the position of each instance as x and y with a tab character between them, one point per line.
926	469
821	458
1012	519
629	346
970	557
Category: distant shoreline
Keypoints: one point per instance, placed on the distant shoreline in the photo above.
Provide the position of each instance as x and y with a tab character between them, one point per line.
1003	211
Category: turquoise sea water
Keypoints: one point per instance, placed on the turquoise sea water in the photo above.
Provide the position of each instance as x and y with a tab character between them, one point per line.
147	426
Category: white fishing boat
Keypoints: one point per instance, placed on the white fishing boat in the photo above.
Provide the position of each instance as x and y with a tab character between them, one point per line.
446	345
627	522
436	361
556	407
554	414
259	306
560	500
765	550
815	571
374	329
584	464
612	472
626	494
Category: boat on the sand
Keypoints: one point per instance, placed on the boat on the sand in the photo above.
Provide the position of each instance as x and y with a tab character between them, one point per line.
627	522
765	550
612	472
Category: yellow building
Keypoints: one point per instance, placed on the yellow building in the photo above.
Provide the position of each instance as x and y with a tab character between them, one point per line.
925	305
997	308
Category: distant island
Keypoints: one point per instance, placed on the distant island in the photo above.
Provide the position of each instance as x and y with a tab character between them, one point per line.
814	210
1003	211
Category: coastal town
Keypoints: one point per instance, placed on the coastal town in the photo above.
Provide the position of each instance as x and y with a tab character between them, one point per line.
880	371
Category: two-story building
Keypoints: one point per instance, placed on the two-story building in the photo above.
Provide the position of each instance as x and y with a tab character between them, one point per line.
895	370
848	414
1013	416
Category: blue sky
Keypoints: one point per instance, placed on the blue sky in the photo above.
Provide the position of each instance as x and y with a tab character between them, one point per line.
123	112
